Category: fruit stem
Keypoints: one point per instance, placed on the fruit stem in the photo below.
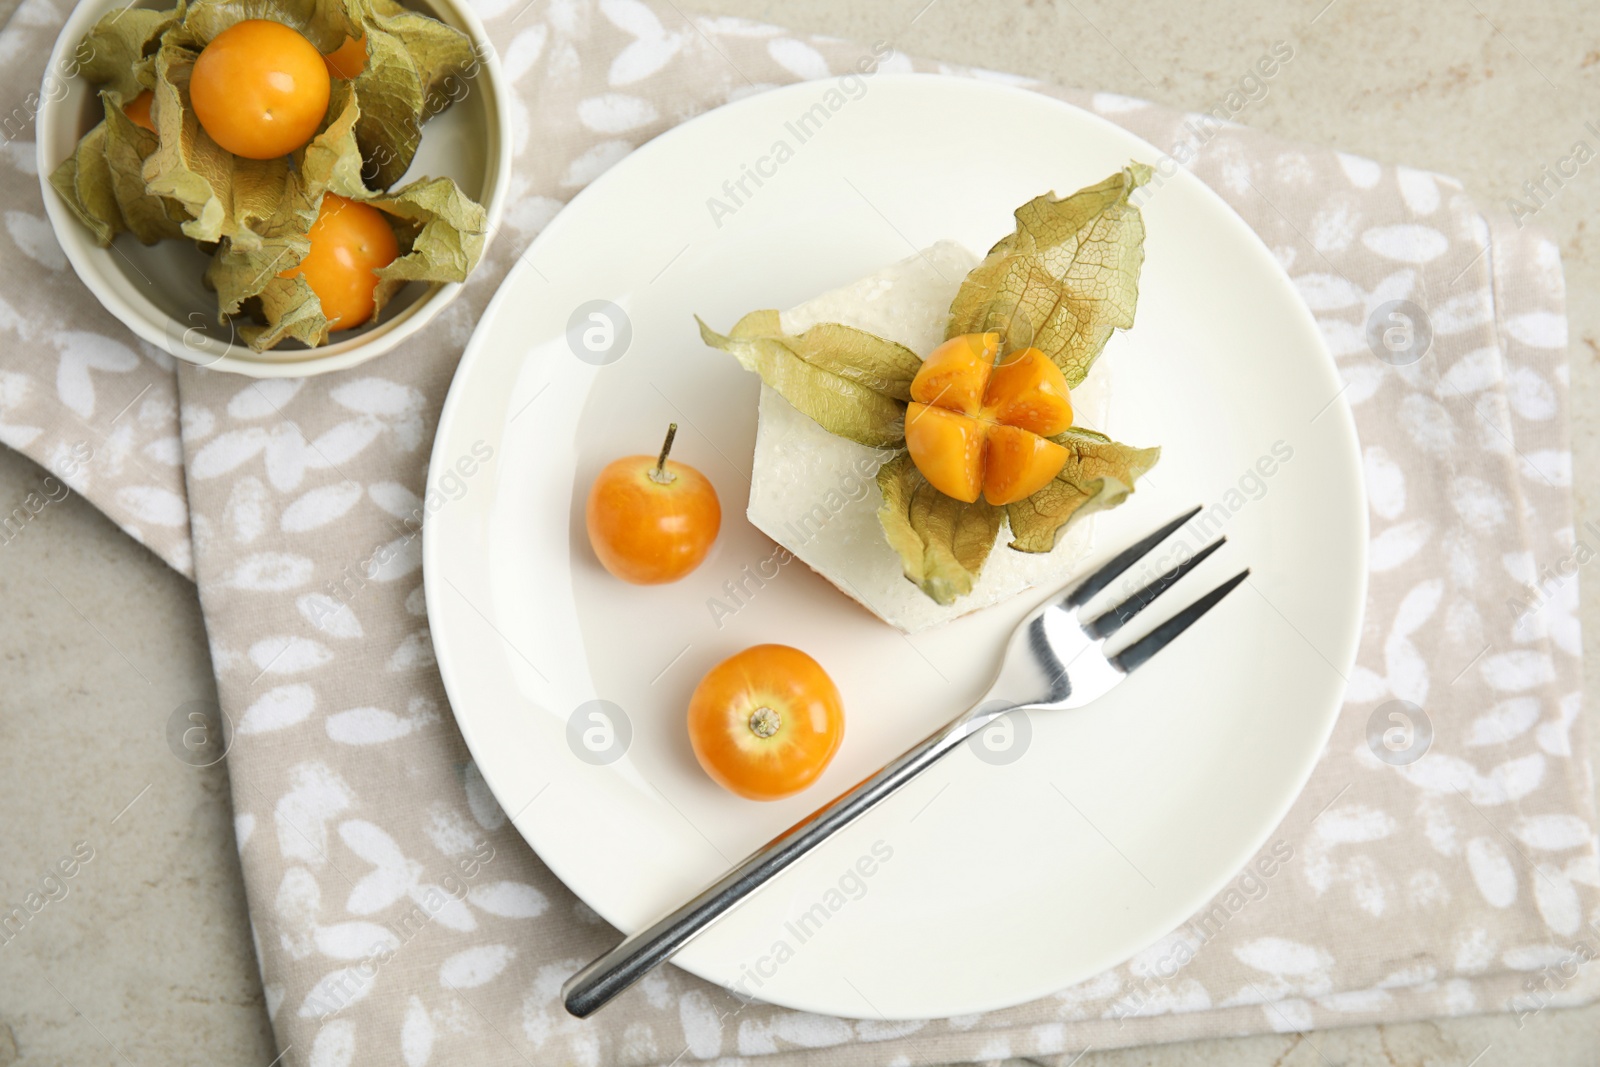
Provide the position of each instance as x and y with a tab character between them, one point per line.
764	722
659	474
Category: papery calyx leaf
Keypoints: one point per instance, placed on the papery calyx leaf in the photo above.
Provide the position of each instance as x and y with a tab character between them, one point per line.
1099	474
1065	279
849	381
942	542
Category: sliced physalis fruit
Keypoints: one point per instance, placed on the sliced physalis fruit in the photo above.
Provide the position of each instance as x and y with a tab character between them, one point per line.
947	448
955	374
1028	391
1018	463
978	423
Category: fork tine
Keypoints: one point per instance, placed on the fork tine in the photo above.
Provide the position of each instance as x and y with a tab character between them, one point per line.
1115	618
1086	589
1138	653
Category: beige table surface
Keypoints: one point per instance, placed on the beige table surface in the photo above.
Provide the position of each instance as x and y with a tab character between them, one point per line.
99	641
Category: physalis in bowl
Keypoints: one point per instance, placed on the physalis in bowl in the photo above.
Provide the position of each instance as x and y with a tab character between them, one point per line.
272	133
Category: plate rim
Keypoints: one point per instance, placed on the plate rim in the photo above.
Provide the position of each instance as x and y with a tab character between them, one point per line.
1340	409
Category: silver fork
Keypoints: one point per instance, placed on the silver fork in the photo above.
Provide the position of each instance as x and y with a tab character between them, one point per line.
1056	659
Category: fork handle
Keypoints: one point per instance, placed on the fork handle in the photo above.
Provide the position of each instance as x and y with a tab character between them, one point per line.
595	985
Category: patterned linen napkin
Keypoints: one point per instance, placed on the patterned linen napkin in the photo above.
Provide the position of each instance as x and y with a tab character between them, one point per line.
1462	881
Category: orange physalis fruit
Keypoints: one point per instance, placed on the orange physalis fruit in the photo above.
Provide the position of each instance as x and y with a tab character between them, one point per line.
259	89
954	374
350	243
1017	464
947	448
138	110
978	424
348	60
1027	390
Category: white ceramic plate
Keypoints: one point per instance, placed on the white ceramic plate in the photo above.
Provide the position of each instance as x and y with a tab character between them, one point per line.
989	884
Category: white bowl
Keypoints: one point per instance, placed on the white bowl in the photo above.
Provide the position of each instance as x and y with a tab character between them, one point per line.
156	290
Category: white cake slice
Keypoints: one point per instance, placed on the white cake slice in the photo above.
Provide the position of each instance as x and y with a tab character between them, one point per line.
815	494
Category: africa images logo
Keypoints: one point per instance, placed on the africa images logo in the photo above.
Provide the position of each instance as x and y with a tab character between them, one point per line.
850	885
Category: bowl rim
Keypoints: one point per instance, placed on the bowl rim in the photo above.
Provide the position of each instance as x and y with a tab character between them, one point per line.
157	328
